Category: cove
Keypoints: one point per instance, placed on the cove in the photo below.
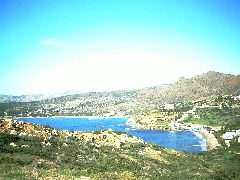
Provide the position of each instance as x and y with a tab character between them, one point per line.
186	141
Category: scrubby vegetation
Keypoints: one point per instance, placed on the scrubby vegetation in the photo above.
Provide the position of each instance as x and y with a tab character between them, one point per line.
26	157
226	117
43	153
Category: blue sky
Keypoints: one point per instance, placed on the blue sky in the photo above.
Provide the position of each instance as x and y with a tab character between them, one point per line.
94	45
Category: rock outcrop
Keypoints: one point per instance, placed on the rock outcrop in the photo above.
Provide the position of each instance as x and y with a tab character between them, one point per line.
108	138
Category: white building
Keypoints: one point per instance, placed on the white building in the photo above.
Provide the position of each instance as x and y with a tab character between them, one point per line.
229	135
169	106
237	132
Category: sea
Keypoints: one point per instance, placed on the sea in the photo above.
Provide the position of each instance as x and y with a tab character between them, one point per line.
185	141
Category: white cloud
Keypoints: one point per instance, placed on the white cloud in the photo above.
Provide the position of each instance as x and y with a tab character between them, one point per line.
51	42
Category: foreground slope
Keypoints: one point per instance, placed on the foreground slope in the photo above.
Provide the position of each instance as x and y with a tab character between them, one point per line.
37	152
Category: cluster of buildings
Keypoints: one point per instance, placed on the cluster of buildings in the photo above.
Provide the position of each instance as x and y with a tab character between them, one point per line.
228	136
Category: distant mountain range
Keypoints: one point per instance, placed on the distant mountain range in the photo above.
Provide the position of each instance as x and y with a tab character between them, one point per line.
35	97
207	84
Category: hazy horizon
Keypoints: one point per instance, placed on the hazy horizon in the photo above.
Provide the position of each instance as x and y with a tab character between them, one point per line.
78	91
53	46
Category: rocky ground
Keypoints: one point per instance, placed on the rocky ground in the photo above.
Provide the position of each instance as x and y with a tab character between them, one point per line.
98	137
30	151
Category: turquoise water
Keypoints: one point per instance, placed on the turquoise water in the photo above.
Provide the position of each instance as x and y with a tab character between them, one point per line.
179	140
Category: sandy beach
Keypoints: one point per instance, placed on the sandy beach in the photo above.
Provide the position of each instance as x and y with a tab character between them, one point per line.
211	140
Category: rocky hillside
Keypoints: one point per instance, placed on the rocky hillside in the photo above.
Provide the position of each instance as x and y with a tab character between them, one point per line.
126	102
99	137
29	151
207	84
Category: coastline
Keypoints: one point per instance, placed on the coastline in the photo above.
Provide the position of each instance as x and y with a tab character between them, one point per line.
131	122
204	144
211	140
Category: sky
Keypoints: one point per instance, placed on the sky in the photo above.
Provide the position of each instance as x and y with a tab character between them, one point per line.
50	46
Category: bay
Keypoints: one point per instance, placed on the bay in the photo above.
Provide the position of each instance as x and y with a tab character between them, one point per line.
186	141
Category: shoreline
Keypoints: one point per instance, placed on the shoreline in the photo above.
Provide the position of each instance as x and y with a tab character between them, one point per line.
204	144
211	141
